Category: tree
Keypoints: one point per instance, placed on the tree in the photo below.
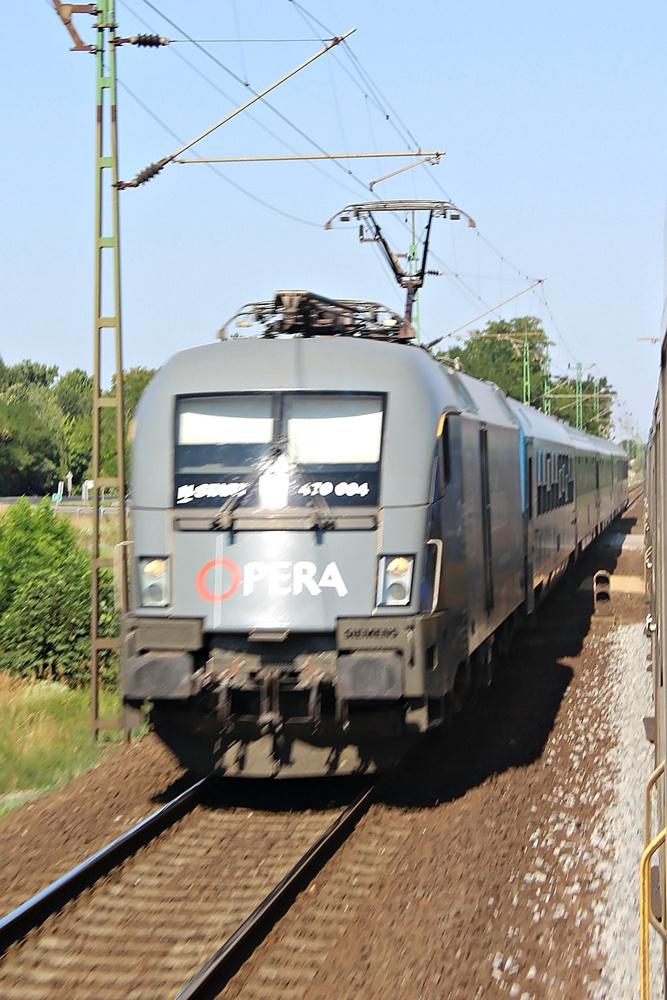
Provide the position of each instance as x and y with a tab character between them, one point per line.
634	447
32	373
496	354
46	426
33	451
74	393
596	397
135	381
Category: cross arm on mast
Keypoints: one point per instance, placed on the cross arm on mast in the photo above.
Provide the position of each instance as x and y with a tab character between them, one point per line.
429	157
65	11
155	168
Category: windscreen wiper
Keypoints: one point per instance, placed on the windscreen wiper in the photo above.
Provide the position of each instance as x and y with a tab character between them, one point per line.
323	514
224	518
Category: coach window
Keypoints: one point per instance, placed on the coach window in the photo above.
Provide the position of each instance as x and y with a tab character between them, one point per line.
540	487
530	487
486	517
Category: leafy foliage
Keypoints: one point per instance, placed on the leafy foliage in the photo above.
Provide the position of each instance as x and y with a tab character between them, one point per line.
30	373
497	354
597	397
73	393
135	381
45	597
634	448
46	426
31	449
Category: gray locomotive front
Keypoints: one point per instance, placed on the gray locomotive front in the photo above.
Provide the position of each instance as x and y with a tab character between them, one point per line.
300	588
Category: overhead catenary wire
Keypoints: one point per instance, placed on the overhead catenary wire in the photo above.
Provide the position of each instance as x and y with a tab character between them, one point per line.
238	79
538	281
299	131
218	173
380	101
560	335
308	222
342	182
151	171
376	97
455	275
155	168
240	41
265	103
239	46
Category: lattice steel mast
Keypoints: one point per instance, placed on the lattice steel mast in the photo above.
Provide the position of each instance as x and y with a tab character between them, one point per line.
106	246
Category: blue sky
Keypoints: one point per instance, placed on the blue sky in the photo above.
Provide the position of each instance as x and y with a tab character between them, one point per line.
552	116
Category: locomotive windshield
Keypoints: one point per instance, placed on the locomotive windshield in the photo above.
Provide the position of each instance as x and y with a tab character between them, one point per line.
317	444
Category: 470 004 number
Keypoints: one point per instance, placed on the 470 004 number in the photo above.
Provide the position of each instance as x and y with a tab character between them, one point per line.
324	489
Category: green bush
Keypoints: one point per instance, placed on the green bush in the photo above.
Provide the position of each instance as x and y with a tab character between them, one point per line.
45	595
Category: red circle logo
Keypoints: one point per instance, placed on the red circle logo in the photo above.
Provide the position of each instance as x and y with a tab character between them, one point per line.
233	571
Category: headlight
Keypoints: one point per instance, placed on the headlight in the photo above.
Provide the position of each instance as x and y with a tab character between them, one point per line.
395	580
154	581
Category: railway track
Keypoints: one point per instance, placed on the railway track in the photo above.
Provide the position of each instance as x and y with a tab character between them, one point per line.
35	910
634	493
173	906
179	918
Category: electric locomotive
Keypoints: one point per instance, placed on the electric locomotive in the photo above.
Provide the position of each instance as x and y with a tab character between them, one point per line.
330	531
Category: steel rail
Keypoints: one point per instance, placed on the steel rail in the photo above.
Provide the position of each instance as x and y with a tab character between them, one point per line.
227	960
35	910
634	493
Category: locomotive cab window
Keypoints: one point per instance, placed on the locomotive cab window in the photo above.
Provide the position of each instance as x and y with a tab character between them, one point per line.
302	444
224	434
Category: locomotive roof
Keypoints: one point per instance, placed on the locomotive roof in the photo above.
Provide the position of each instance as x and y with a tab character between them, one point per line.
251	364
358	364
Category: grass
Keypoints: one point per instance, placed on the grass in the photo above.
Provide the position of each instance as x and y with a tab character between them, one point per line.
82	522
45	737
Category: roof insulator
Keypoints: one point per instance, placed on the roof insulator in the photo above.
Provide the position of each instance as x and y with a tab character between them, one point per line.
149	41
